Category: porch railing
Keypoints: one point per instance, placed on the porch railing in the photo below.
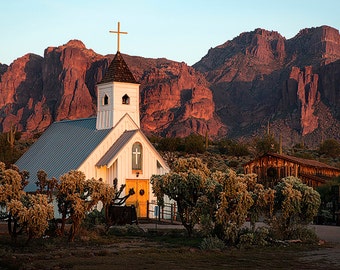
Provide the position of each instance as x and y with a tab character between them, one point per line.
166	212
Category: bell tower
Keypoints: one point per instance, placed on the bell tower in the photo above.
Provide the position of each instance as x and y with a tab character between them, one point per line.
117	93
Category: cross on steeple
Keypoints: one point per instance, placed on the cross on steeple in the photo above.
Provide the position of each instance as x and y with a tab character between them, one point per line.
118	34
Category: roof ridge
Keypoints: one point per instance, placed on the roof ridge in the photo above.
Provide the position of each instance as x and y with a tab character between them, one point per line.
73	120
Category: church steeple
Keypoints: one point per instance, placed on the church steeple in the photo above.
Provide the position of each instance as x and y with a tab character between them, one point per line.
118	93
118	71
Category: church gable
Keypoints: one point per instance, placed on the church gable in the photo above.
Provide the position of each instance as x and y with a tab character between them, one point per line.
111	154
140	150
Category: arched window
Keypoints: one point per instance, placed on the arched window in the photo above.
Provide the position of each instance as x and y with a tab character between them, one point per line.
105	100
125	99
137	156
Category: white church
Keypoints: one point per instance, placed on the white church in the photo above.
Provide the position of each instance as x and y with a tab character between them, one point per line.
108	146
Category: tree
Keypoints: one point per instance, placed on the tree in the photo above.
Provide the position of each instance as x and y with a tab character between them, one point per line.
11	189
330	148
194	144
8	151
296	204
263	199
76	196
266	144
45	185
232	148
22	210
33	213
170	144
329	200
233	206
188	184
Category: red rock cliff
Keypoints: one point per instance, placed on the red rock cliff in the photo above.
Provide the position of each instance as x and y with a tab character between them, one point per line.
260	77
176	100
308	95
36	91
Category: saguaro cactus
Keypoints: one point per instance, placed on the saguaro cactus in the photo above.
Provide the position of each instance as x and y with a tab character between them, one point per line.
11	136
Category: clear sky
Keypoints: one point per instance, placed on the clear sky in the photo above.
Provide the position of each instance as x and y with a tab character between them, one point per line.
180	30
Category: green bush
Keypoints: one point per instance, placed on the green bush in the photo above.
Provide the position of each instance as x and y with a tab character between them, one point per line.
194	144
232	148
246	240
170	144
302	233
261	236
266	144
94	218
330	148
212	243
126	230
233	163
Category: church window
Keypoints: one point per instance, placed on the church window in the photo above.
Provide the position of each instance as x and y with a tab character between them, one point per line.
125	99
137	156
105	100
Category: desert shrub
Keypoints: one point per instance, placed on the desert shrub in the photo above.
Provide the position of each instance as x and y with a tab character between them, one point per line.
117	230
206	225
194	144
233	163
134	230
232	148
295	204
126	230
266	144
212	243
190	185
303	233
170	144
234	203
261	236
94	218
330	148
246	240
248	237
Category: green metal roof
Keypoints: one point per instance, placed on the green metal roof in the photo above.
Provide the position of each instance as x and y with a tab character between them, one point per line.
62	148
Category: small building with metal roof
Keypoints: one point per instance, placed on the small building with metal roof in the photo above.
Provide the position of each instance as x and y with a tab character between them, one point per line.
272	167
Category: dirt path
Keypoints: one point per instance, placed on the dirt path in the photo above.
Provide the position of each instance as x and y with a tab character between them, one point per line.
327	233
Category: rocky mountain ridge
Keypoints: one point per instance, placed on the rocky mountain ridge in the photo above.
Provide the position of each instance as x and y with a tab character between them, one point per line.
235	90
260	77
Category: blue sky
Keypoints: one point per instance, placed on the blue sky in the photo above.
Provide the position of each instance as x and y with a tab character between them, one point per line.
180	30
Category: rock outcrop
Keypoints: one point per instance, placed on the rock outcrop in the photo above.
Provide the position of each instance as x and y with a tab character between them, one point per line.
20	91
36	91
260	77
303	89
176	100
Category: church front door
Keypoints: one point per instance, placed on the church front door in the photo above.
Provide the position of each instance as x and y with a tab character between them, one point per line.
141	196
